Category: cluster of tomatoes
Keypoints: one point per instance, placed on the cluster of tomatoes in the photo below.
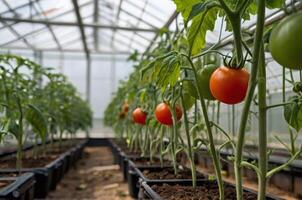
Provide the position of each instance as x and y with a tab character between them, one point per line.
229	85
162	114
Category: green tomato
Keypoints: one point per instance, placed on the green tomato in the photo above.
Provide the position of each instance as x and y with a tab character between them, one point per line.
204	76
286	42
188	99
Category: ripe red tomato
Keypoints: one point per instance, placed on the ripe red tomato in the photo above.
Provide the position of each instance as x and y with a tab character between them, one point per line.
163	114
139	116
229	85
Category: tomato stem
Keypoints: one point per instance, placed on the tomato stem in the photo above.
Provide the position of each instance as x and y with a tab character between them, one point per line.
190	149
249	97
212	148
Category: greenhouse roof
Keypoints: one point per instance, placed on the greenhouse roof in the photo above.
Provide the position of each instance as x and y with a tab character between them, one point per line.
109	26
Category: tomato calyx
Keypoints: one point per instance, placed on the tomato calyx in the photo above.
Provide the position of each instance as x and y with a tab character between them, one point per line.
297	88
232	63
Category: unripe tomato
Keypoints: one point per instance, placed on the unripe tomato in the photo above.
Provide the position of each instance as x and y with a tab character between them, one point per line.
188	99
203	76
286	42
229	85
139	116
164	115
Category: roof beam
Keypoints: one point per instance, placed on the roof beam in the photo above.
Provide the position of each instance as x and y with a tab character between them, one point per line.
67	50
40	29
85	46
48	26
166	25
13	30
91	25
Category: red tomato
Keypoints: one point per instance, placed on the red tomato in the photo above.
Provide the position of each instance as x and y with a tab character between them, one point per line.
229	85
139	116
163	114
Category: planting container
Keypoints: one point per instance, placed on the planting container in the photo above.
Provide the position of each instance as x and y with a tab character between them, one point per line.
136	175
146	192
48	177
21	187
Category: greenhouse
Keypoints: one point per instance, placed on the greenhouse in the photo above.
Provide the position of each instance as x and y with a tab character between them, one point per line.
150	99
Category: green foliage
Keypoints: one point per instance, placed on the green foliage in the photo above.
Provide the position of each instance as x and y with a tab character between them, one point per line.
202	23
293	113
37	120
29	106
186	7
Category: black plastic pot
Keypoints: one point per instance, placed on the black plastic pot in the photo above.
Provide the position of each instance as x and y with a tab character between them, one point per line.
146	192
124	163
135	176
115	150
48	177
21	188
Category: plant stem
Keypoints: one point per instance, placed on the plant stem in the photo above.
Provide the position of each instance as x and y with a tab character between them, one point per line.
174	137
213	151
19	155
162	131
262	127
249	97
190	150
236	25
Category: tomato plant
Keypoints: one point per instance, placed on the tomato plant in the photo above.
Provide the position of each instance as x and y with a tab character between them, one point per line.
286	42
229	85
139	116
204	76
164	115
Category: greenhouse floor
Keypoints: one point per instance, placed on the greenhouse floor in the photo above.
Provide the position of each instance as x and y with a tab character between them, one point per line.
94	177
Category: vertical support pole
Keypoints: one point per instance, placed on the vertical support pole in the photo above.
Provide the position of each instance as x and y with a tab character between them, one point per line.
96	20
88	78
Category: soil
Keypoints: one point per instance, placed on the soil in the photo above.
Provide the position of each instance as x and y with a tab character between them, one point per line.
168	173
28	162
4	183
206	192
41	161
94	177
253	185
146	161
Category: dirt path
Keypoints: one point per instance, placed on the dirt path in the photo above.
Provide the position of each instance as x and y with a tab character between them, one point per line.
95	177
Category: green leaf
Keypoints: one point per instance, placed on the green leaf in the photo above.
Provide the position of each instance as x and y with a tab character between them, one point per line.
272	4
37	120
185	7
14	128
202	23
293	113
196	9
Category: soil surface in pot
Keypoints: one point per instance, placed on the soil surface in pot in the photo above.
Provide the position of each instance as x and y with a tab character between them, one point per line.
94	177
206	192
5	183
168	173
146	161
27	162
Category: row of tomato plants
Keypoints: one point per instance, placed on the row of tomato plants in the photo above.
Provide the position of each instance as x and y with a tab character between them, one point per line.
38	105
182	73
